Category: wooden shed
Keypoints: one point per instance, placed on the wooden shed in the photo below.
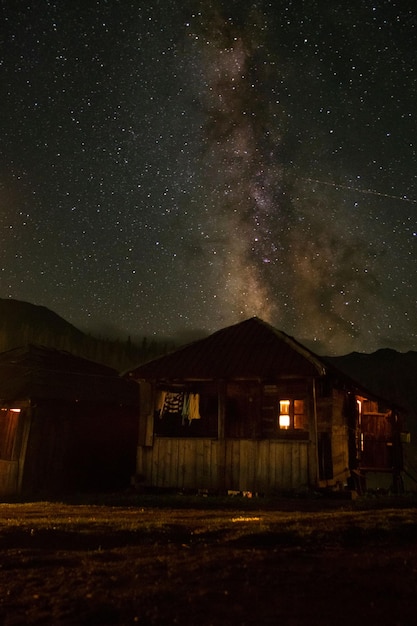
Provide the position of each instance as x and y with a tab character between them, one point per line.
66	424
250	409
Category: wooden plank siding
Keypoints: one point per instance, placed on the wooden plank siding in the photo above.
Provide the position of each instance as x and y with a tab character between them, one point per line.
9	477
249	465
340	454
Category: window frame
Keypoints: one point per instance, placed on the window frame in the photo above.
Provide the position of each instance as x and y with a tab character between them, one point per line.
287	411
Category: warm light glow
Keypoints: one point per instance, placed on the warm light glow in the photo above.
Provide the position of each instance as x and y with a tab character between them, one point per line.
284	414
291	414
284	421
284	407
15	410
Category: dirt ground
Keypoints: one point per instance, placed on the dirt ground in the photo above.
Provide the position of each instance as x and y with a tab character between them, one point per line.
202	562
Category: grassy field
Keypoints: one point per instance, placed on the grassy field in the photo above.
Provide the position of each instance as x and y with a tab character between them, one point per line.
188	560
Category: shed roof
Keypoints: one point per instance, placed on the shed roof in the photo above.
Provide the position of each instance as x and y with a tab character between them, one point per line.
251	349
37	372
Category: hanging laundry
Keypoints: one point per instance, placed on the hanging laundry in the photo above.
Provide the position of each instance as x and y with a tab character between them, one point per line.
173	402
185	408
191	408
194	407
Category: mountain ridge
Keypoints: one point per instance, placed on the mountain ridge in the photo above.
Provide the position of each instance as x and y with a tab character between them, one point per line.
23	323
386	372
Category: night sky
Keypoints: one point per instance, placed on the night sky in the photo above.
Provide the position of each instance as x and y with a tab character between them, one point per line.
177	166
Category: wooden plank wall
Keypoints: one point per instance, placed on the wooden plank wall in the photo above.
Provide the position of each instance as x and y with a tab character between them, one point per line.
249	465
8	477
340	453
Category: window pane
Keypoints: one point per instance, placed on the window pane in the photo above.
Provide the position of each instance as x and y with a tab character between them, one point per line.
299	422
284	421
284	407
299	417
298	407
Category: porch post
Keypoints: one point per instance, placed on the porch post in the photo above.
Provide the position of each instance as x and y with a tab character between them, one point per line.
221	409
313	448
221	412
25	419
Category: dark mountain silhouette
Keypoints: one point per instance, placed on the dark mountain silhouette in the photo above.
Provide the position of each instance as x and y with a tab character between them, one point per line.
23	323
386	372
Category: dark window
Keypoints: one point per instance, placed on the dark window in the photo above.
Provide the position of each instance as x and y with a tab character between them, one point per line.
242	410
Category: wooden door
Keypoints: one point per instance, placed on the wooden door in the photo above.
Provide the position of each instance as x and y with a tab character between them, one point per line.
376	443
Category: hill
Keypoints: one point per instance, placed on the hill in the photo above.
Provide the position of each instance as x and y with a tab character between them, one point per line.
23	323
386	372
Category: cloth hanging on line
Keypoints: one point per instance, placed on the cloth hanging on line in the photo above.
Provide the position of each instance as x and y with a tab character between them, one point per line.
194	407
191	407
169	402
185	404
173	402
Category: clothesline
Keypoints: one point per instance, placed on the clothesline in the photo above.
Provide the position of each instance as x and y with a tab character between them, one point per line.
181	402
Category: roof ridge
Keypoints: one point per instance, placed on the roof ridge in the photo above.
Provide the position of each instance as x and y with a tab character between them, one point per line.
211	354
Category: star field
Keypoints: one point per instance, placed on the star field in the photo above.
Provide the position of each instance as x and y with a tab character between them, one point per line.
179	166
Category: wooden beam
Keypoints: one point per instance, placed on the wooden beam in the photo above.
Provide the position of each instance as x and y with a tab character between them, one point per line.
221	413
313	460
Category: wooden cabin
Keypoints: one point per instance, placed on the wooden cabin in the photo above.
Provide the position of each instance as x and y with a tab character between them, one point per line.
66	424
249	409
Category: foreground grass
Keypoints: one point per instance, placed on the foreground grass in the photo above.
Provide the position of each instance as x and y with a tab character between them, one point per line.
179	518
207	561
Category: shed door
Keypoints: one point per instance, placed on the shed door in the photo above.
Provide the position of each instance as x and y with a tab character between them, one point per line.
376	441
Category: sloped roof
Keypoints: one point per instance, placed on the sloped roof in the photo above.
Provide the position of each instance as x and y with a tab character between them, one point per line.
36	372
251	349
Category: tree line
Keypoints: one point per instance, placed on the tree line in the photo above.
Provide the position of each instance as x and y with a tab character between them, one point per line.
119	354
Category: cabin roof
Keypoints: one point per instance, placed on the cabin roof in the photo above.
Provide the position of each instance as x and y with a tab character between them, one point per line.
251	349
36	372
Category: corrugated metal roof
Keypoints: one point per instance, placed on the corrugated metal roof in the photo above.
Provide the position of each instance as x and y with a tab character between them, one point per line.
251	349
36	372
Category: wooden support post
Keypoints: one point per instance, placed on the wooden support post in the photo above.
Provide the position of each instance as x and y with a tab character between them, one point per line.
25	427
221	409
313	459
221	412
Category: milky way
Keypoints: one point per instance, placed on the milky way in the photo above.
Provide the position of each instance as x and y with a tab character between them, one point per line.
177	167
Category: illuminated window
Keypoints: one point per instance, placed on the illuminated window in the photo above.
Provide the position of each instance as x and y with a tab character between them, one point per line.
8	425
284	414
292	415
